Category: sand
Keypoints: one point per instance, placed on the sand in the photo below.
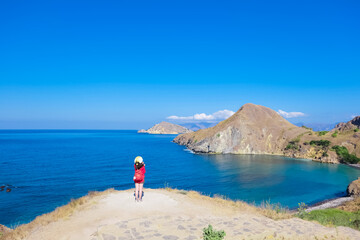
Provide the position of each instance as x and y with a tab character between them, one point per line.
329	203
172	215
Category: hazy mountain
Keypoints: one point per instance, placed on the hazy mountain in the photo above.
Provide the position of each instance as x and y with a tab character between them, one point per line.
198	126
317	126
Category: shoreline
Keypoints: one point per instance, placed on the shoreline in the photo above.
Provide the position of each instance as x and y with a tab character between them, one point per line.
329	203
356	165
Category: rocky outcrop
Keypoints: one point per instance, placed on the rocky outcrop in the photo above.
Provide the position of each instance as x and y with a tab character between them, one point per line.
166	128
354	188
350	125
4	229
253	129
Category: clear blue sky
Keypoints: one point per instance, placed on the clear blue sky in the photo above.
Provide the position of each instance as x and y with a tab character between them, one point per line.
130	64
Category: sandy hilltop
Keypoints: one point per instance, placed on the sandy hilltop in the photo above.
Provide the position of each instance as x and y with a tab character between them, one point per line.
166	128
170	215
256	129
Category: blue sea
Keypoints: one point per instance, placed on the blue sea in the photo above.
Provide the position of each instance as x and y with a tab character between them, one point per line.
48	168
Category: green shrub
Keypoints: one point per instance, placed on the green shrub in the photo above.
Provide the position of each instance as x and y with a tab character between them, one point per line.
195	141
320	143
356	130
291	146
344	154
211	234
333	216
218	135
334	134
321	133
325	154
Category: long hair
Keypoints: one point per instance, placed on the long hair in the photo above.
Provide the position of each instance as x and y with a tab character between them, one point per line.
139	165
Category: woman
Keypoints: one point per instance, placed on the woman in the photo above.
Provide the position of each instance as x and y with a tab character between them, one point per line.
139	177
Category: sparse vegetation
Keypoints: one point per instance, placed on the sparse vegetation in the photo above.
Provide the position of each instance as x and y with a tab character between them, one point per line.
218	135
306	127
335	134
293	144
334	217
322	133
301	210
211	234
195	141
320	143
356	129
325	154
266	209
344	155
273	207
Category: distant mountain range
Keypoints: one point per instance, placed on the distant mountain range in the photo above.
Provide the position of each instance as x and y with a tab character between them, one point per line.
198	126
317	126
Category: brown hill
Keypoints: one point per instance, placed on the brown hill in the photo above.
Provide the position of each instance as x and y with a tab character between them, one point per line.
253	129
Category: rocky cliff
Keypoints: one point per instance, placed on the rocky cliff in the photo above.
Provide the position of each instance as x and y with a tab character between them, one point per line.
253	129
354	188
256	129
351	125
166	128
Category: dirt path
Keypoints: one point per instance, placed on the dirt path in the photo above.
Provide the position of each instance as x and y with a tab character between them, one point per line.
171	215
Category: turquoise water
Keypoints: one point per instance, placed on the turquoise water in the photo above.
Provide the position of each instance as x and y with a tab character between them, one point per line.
49	168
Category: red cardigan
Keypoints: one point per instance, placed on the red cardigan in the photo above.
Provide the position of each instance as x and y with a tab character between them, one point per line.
142	171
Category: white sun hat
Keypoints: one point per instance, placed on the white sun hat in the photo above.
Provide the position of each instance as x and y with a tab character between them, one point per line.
138	159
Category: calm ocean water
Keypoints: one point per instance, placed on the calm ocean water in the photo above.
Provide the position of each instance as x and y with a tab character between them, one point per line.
49	168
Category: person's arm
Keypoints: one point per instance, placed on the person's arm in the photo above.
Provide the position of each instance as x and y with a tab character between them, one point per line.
143	169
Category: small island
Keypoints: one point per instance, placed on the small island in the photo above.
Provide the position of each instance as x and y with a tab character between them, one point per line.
166	128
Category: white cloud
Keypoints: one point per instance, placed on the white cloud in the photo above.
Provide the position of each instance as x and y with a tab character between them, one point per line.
217	116
291	114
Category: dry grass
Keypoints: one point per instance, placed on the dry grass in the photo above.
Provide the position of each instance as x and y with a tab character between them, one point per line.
272	211
351	206
62	212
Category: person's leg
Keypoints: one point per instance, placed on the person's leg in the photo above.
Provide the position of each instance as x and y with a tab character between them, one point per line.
137	188
141	190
